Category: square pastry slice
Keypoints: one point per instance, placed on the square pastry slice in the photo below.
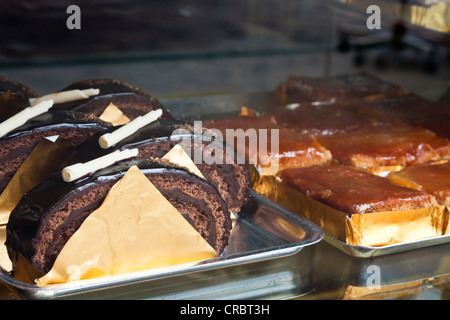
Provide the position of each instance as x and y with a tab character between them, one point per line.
386	144
341	87
322	119
359	208
289	148
431	178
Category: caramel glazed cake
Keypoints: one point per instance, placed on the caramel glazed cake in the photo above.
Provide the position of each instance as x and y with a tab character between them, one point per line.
52	211
48	215
229	175
74	121
131	100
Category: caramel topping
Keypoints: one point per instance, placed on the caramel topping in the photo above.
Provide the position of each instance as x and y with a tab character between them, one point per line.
352	190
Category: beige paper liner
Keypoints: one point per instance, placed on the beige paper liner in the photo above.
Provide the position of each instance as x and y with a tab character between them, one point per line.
135	228
114	115
372	229
41	162
178	156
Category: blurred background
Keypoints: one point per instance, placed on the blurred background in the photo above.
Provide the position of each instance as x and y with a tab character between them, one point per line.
201	47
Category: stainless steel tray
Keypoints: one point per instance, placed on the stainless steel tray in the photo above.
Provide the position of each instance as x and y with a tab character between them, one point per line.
264	259
371	252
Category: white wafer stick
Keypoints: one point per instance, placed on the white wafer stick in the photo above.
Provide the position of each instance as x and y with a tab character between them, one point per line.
23	116
109	139
66	96
79	170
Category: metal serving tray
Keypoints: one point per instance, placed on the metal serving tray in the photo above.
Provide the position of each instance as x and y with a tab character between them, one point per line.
266	258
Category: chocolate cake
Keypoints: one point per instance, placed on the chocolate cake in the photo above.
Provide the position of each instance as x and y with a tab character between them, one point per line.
294	148
132	101
411	109
17	145
50	213
230	176
433	178
346	87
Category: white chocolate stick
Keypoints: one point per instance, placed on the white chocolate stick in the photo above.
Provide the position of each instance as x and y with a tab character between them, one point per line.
79	170
109	139
66	96
23	116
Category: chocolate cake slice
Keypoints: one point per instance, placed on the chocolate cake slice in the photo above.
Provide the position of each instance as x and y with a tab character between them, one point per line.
345	87
17	145
230	176
48	215
132	101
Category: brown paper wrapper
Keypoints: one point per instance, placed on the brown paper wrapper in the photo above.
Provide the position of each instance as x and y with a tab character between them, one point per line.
372	229
41	162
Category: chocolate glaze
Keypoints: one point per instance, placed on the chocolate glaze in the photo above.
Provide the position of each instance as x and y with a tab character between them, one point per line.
135	101
35	207
362	192
294	148
17	144
21	92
